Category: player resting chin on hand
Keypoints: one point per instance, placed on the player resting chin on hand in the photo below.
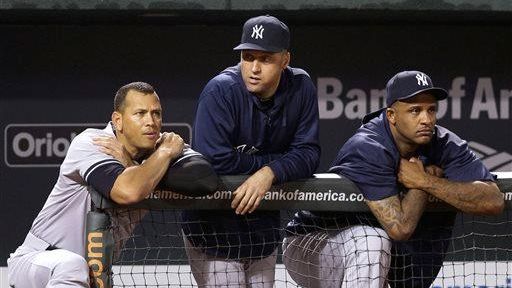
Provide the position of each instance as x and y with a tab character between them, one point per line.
122	164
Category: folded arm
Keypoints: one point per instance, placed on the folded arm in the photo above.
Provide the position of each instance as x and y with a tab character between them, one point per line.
399	217
477	197
134	183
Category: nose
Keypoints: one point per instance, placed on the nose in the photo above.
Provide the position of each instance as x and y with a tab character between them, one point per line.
428	118
150	120
256	66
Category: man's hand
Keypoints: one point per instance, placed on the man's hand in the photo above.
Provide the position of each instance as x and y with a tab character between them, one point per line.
171	143
434	171
248	195
412	174
111	146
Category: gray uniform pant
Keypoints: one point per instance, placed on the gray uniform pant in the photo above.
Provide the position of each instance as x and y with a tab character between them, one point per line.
32	265
212	272
356	256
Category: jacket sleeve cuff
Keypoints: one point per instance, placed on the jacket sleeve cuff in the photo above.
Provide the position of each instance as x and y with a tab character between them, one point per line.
279	174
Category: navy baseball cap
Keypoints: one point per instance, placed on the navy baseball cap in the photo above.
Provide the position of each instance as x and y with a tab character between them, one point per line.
405	85
264	33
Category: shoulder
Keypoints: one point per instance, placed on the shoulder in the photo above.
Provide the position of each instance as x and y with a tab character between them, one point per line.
83	154
372	137
299	86
228	77
447	137
298	75
447	144
85	138
82	145
369	146
223	84
458	161
369	160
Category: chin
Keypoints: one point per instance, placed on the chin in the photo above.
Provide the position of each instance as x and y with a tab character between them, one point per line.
424	140
253	90
148	146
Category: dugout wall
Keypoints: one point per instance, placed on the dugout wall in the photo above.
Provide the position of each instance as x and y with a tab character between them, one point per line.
142	245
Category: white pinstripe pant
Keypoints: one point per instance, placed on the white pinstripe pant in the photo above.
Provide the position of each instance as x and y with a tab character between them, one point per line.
356	256
210	271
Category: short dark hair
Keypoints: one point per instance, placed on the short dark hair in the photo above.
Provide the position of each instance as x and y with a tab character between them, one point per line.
141	87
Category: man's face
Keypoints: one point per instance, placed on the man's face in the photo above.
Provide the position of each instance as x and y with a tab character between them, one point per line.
261	71
139	122
413	119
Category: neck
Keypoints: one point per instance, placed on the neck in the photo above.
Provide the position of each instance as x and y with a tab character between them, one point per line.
268	94
406	148
135	154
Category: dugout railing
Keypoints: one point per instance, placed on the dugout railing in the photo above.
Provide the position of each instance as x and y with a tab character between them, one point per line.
142	245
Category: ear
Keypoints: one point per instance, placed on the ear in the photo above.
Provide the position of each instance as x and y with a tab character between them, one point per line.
391	115
287	58
117	121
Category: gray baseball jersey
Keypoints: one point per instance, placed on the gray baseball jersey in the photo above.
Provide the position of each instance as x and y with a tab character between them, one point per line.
61	222
60	225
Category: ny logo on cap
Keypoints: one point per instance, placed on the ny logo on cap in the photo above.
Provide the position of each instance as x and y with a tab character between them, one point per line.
422	79
257	32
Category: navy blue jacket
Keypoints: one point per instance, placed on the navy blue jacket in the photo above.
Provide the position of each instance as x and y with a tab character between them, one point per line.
239	134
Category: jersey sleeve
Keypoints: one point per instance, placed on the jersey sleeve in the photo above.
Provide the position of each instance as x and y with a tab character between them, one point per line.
369	165
102	178
191	174
92	166
458	162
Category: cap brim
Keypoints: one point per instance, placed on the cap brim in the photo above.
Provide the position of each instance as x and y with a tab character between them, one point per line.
372	115
252	46
439	93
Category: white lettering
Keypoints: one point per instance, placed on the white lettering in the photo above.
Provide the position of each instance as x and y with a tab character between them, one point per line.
456	93
16	145
40	142
442	107
26	145
329	105
333	103
484	100
49	147
60	147
357	108
377	99
505	96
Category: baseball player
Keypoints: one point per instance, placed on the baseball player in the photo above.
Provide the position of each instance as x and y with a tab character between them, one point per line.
258	118
397	158
106	160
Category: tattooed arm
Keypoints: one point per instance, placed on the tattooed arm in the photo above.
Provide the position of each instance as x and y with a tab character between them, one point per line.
477	197
399	217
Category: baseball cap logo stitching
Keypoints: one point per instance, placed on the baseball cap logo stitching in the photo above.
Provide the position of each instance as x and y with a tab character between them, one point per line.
264	33
257	32
422	79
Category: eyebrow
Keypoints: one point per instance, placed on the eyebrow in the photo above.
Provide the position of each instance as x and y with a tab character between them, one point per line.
415	105
147	110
